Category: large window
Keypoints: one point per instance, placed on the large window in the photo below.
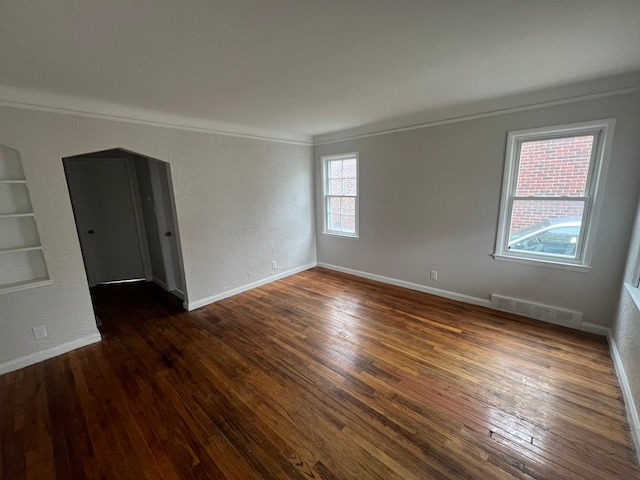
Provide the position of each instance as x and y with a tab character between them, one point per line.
340	175
551	191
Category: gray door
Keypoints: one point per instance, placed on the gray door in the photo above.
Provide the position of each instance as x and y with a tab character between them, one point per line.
103	204
165	214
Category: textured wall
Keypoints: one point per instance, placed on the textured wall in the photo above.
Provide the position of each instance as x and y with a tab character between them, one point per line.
626	328
429	199
626	333
240	204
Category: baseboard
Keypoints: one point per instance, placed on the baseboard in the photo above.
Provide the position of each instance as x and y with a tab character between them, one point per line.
162	284
178	293
37	357
629	403
410	285
595	328
235	291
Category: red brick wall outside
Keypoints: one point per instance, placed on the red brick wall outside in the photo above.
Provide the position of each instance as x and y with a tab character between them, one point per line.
551	168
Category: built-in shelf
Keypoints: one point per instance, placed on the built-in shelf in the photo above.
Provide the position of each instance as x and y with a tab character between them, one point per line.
22	263
14	198
16	215
24	285
21	249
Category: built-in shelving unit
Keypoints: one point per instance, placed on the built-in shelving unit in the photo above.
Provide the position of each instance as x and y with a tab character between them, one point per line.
22	263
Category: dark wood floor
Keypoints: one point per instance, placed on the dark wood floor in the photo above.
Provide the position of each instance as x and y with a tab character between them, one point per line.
320	375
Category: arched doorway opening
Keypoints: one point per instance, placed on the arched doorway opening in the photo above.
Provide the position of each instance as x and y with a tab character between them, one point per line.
126	220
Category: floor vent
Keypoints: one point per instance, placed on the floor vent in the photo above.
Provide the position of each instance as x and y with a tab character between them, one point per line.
546	313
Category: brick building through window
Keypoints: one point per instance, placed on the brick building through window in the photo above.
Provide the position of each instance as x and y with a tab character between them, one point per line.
551	168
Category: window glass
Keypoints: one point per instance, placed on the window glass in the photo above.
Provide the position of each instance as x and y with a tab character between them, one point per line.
555	167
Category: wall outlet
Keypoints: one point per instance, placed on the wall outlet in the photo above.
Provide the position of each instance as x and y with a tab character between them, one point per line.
40	332
274	264
433	275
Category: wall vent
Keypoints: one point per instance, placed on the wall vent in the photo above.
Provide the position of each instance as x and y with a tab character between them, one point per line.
546	313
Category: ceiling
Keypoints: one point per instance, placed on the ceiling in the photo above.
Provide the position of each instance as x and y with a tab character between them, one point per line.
296	69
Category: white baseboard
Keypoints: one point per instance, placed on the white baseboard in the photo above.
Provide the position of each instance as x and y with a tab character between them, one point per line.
37	357
178	293
410	285
629	403
162	284
595	328
234	291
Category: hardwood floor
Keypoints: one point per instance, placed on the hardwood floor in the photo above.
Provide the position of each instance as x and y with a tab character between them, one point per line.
319	375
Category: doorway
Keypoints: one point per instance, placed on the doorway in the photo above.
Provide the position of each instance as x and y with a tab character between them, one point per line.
125	216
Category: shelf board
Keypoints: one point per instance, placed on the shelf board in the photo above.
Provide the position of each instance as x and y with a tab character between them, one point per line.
18	286
20	249
12	181
16	215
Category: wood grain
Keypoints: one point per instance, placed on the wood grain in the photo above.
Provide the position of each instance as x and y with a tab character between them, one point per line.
318	376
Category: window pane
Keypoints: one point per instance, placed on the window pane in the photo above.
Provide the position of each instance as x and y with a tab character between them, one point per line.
334	205
349	223
335	169
348	205
349	168
554	167
333	222
335	186
527	213
546	227
350	186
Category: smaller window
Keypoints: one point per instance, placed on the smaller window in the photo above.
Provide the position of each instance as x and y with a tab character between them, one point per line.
340	179
551	193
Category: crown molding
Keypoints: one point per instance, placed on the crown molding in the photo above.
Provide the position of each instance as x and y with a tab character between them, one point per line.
326	139
70	105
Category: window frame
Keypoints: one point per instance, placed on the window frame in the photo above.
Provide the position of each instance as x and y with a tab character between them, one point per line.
602	130
325	159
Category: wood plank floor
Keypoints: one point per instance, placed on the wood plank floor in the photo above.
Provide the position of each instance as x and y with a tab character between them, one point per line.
319	375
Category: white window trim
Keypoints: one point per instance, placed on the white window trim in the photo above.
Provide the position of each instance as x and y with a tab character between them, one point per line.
594	191
325	161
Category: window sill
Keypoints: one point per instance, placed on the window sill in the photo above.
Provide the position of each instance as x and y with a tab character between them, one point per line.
341	235
543	263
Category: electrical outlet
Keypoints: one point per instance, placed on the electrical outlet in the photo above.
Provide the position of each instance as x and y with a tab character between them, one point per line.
274	264
433	275
40	332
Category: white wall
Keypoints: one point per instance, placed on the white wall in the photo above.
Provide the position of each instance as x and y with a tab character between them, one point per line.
429	199
241	203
